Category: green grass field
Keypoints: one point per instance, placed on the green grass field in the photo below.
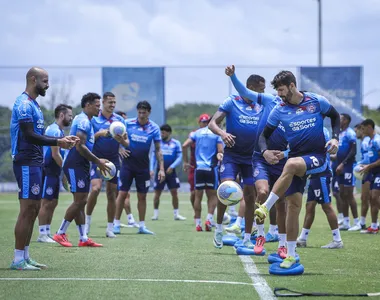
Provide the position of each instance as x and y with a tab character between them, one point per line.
176	252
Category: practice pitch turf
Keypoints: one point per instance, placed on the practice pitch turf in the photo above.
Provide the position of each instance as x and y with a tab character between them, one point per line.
176	263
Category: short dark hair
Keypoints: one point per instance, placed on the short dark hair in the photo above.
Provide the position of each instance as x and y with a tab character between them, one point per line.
283	78
61	108
368	122
120	113
358	125
166	127
89	98
255	79
108	94
144	105
347	117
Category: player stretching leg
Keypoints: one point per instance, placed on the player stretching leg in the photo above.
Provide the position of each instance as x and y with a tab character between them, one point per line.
106	147
52	170
142	132
27	139
208	150
302	116
172	154
76	167
319	192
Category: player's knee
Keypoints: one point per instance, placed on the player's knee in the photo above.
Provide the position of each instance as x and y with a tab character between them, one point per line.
262	193
96	189
292	166
294	205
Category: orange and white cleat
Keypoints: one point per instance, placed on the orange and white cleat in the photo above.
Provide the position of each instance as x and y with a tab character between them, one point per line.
282	252
62	240
89	243
259	247
208	226
370	230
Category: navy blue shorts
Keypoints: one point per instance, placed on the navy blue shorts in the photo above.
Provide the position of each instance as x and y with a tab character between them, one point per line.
347	178
141	177
230	170
206	179
95	175
335	185
319	190
51	187
79	179
375	183
171	180
367	177
264	171
29	181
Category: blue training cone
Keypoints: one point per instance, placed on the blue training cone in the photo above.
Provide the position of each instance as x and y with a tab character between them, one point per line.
296	269
247	251
230	240
275	258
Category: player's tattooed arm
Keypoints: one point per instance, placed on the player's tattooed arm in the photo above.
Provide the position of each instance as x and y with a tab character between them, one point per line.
332	145
160	161
271	156
214	126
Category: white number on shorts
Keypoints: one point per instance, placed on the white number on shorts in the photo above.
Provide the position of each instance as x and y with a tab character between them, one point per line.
317	193
347	176
377	180
315	161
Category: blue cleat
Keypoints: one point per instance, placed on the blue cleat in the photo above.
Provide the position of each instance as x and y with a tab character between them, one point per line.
116	229
144	230
269	238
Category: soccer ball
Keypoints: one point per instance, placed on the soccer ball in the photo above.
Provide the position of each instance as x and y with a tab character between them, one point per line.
229	193
117	128
357	169
108	175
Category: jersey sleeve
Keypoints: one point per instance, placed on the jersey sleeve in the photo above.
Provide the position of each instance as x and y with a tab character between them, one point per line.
157	135
324	104
274	118
351	137
226	106
25	112
85	126
219	140
192	136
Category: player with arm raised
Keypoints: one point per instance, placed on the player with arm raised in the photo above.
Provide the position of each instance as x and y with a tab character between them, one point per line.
302	116
27	139
76	167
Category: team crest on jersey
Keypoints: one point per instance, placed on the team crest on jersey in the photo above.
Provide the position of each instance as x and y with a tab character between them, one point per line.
49	191
311	108
222	168
35	189
248	108
256	172
258	108
299	111
81	184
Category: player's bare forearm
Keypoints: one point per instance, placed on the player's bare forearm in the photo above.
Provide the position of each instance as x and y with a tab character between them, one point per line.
160	159
215	122
375	164
83	150
185	155
56	156
351	154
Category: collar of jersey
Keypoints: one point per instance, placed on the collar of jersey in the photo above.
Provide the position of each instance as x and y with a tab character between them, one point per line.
137	122
104	117
86	115
30	98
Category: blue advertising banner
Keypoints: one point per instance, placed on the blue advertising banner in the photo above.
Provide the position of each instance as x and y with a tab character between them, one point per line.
344	83
131	85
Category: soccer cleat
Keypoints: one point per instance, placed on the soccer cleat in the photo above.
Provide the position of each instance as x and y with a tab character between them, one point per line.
356	227
124	225
344	227
208	225
301	243
132	224
89	243
261	212
233	213
23	266
334	245
110	234
370	230
288	262
116	229
234	228
44	238
363	226
259	247
35	264
254	233
340	221
269	238
154	218
226	219
218	239
144	230
248	244
62	240
179	218
282	252
198	228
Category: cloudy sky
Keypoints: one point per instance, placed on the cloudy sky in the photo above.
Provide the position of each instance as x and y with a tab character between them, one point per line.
266	36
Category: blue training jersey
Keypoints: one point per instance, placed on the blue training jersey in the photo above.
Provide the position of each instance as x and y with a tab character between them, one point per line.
106	147
141	138
303	124
73	159
206	147
364	150
374	152
346	139
171	152
26	110
50	166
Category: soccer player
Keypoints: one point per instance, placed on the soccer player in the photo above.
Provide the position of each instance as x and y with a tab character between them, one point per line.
319	193
172	154
76	167
27	139
142	133
264	174
366	182
208	151
374	169
122	114
345	159
53	159
301	114
106	147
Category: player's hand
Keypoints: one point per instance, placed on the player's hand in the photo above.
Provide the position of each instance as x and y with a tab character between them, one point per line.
161	176
169	170
187	166
281	155
228	139
332	146
230	70
104	132
151	174
124	153
340	169
271	156
365	169
333	157
219	156
68	142
103	167
119	138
